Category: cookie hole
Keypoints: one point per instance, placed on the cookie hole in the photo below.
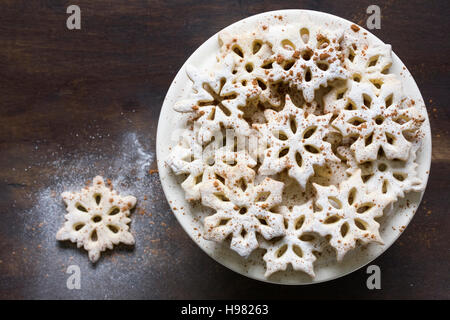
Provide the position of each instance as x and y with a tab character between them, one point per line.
332	219
243	233
221	197
307	54
356	78
384	188
351	55
94	236
299	222
232	163
307	237
322	42
281	251
244	82
382	167
304	34
335	202
288	45
309	132
243	210
283	152
379	120
401	120
298	159
257	44
344	229
267	65
286	223
211	116
386	69
366	165
198	179
113	228
367	100
308	75
288	65
281	135
389	100
220	178
235	144
377	83
249	67
312	149
261	84
223	222
293	124
322	66
262	221
340	94
81	208
356	121
98	198
297	250
242	184
399	176
236	49
364	208
360	224
390	138
368	140
351	196
366	177
97	219
350	106
78	226
373	61
262	196
114	211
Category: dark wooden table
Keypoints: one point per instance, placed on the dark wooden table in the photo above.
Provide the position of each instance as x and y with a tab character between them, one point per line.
75	104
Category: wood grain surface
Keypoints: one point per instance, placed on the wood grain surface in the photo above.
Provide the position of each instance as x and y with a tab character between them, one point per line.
79	103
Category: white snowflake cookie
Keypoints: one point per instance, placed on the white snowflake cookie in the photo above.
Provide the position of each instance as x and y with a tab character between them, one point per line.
347	213
296	247
97	218
296	142
390	178
379	121
187	158
242	205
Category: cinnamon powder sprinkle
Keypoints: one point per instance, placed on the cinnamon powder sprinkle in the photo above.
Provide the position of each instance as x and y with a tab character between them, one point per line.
355	28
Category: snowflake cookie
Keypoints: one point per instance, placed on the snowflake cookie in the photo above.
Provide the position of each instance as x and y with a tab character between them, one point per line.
242	205
347	213
97	218
187	158
215	99
296	247
379	121
296	142
307	59
390	178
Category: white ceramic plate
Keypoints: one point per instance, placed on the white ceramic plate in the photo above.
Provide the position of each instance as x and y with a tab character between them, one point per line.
190	217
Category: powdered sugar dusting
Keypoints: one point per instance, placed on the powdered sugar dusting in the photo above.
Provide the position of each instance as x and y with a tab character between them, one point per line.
127	171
